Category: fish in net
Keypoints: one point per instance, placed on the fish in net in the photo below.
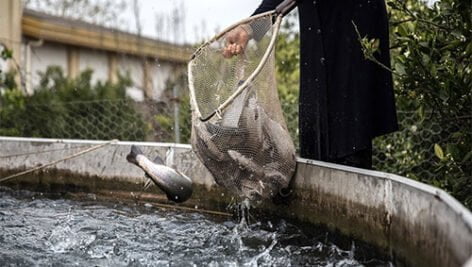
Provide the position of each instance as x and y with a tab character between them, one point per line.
238	129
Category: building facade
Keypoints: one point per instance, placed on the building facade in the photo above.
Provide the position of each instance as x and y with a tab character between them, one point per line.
39	40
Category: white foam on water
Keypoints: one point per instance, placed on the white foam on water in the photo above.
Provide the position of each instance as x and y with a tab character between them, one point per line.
70	233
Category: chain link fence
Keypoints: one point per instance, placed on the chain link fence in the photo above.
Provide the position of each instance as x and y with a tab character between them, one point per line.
123	119
408	152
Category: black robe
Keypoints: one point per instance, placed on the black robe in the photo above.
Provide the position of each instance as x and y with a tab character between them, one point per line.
345	100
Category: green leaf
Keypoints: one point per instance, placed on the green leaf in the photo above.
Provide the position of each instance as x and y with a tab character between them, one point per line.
421	113
469	48
467	157
375	44
400	68
457	135
438	152
426	59
7	53
453	150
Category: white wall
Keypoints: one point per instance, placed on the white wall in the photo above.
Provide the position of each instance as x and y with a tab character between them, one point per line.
95	60
46	55
160	73
56	54
133	66
3	63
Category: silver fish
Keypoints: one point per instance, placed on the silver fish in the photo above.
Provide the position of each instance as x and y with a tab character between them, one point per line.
246	163
254	160
280	139
176	185
204	140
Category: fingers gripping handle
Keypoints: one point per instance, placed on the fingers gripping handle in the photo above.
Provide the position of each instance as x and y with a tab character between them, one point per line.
285	7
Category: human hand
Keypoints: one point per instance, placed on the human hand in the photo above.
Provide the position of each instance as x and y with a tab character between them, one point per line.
236	41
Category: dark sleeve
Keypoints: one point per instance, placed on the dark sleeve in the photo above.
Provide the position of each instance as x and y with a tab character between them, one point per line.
267	5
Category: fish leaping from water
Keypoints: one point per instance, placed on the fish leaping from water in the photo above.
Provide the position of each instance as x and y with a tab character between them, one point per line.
176	185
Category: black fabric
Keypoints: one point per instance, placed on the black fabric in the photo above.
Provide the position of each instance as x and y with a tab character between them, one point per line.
360	159
345	100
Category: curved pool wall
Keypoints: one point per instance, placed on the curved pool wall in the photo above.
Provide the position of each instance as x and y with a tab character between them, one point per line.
417	223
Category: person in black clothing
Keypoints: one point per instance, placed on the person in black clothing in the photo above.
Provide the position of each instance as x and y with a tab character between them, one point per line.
345	99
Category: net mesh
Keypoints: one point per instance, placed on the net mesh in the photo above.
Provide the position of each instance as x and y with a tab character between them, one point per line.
246	145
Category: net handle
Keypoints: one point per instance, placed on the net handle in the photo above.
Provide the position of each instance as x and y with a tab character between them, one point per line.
194	106
229	28
190	65
285	7
256	72
245	84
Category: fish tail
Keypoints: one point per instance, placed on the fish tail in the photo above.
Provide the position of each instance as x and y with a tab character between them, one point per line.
135	151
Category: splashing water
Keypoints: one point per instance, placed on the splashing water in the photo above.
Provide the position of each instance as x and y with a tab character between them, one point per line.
41	231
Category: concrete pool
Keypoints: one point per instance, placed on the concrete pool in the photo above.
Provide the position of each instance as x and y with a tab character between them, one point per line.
403	218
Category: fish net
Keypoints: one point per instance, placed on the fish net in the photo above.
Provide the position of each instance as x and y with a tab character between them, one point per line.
238	129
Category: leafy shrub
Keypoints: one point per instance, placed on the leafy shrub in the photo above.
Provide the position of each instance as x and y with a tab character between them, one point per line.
71	108
432	63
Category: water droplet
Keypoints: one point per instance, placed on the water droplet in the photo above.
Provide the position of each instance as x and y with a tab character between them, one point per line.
309	28
318	31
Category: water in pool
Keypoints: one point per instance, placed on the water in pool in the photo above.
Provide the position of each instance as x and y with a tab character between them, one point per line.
40	231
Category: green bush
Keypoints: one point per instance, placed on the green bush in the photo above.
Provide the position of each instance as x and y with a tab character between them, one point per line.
185	118
71	108
432	63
